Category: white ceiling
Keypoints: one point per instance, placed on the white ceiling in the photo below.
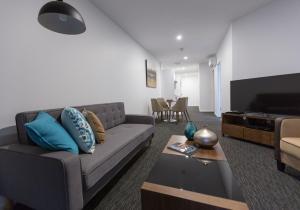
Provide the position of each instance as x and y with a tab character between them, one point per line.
155	24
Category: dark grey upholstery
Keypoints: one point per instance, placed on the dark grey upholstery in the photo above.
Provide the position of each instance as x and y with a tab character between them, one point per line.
42	181
111	115
120	141
8	136
139	119
88	195
47	180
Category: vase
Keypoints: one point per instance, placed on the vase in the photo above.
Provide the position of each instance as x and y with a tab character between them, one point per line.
205	138
190	130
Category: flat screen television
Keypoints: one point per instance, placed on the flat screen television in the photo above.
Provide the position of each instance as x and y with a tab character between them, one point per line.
272	95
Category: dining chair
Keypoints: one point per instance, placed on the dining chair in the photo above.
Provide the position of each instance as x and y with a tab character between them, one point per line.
186	108
157	108
180	108
165	105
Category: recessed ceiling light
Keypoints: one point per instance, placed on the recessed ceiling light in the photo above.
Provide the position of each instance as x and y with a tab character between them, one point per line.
179	37
185	58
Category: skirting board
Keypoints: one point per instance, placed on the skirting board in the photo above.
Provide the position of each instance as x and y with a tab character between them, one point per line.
205	110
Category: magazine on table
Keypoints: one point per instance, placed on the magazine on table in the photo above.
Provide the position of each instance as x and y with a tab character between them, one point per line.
183	148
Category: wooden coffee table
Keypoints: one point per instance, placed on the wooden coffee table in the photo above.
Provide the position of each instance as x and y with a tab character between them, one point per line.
214	154
203	181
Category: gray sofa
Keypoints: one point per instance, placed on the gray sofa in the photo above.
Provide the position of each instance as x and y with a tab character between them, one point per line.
45	180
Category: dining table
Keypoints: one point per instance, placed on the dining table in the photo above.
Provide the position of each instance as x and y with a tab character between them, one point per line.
170	101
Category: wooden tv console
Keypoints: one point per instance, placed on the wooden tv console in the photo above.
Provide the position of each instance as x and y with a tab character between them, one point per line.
255	127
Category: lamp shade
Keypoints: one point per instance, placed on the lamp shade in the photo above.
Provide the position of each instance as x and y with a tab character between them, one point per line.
62	18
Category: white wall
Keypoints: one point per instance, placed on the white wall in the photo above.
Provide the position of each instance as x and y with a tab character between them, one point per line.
263	43
217	90
188	83
206	85
41	69
224	57
266	42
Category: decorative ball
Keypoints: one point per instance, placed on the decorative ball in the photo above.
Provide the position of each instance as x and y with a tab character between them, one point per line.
205	138
190	130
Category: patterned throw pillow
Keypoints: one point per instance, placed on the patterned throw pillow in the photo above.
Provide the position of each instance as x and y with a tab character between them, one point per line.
75	123
96	125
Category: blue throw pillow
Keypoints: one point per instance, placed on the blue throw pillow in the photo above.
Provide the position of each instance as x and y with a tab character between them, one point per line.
46	132
75	123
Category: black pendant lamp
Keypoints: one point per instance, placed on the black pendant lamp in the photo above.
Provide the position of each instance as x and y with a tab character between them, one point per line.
62	18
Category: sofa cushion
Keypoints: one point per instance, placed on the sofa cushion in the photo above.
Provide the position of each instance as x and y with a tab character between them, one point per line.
290	128
75	123
291	146
120	141
110	115
46	132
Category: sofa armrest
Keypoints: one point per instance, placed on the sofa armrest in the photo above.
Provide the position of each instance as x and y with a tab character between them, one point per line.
139	119
285	127
8	136
43	181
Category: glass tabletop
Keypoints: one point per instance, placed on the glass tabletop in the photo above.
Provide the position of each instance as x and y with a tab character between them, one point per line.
211	177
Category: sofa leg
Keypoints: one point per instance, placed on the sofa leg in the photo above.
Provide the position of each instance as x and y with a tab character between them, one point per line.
280	166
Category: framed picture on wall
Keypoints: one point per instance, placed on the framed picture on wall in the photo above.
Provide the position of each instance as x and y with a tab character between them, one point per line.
150	75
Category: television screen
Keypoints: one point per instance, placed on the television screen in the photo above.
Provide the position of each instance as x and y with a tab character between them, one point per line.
274	94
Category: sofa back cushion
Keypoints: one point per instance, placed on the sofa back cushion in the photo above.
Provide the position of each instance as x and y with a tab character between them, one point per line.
111	115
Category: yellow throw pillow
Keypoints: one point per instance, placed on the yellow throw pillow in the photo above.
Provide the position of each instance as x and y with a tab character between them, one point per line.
96	125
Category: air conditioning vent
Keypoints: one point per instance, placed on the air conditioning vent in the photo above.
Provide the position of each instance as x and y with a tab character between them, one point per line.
212	62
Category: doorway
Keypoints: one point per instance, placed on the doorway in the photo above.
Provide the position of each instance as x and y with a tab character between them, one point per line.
188	86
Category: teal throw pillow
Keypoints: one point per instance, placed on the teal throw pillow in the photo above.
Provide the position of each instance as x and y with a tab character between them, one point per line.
47	133
75	123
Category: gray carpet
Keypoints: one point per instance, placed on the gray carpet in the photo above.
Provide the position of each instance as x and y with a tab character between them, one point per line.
253	166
